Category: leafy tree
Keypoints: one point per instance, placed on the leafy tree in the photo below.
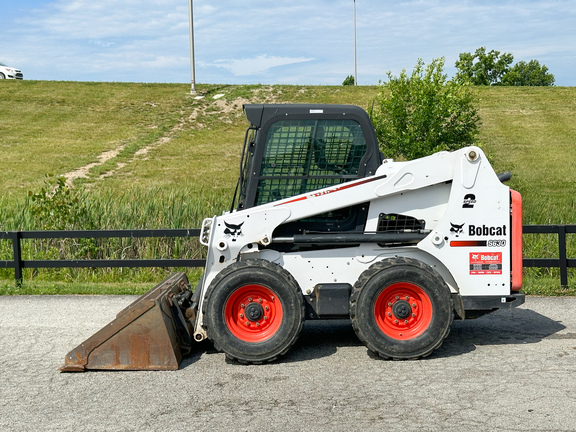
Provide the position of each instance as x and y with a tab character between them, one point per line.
493	68
423	113
482	68
528	74
349	81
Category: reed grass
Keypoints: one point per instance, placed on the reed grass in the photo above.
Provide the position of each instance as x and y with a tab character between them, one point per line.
106	209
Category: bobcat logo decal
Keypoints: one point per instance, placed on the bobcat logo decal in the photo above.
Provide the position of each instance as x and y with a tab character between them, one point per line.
233	231
456	229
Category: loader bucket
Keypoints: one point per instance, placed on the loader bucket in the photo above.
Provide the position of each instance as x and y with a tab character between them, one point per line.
150	334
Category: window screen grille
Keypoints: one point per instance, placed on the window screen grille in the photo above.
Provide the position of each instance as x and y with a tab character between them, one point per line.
305	155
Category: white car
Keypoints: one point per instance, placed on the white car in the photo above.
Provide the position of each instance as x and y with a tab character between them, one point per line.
7	72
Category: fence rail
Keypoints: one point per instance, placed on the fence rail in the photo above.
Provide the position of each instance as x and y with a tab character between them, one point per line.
562	262
18	264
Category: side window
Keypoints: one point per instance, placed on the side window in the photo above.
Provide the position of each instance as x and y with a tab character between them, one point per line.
305	155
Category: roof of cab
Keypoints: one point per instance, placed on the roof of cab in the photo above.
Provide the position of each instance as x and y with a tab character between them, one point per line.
260	114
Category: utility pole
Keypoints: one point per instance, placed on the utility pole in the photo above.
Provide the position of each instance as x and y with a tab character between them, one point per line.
192	67
355	67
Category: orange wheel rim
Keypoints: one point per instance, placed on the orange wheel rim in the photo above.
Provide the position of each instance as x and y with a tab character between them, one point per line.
403	311
253	313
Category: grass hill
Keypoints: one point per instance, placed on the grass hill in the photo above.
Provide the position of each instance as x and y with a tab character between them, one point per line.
154	156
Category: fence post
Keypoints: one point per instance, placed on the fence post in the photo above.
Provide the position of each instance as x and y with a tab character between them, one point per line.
17	252
562	256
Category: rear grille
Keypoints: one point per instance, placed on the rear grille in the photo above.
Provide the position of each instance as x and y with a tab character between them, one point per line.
392	222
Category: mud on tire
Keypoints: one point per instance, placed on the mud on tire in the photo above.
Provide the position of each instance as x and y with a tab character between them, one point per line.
401	308
254	311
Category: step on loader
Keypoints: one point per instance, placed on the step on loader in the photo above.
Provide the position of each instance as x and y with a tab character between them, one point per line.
322	226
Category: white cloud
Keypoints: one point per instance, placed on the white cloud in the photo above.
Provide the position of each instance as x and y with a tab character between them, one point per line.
256	65
108	18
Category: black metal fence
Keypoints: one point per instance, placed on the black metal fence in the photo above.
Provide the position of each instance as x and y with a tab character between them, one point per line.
17	263
562	262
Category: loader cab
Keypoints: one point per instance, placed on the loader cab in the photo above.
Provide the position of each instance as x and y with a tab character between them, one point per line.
294	149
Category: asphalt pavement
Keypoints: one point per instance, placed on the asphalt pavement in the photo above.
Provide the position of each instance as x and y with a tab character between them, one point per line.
512	370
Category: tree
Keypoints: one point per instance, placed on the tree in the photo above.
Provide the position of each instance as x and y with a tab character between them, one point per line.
482	68
528	74
423	113
493	68
349	81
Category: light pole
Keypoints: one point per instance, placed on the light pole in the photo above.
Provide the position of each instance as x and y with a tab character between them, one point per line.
192	68
355	68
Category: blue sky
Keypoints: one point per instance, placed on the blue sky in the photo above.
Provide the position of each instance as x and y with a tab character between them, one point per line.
275	42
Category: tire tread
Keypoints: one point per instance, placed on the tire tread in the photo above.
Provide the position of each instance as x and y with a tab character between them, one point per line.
256	264
357	289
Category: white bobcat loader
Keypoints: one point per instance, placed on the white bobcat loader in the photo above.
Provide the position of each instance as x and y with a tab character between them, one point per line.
321	227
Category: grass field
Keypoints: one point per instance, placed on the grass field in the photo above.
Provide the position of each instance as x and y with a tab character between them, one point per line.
152	156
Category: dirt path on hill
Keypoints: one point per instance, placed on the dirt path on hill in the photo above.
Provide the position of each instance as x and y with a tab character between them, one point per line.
212	106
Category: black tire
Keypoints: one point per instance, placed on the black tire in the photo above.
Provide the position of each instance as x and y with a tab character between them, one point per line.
254	311
2	76
401	308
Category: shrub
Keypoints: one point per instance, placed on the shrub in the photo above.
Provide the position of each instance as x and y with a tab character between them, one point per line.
56	206
423	113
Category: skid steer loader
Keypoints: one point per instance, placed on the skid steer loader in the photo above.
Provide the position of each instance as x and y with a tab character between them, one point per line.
322	226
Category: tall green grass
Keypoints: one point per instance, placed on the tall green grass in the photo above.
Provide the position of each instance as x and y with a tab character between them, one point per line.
107	209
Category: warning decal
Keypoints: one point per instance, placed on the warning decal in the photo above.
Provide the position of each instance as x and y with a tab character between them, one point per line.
484	263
